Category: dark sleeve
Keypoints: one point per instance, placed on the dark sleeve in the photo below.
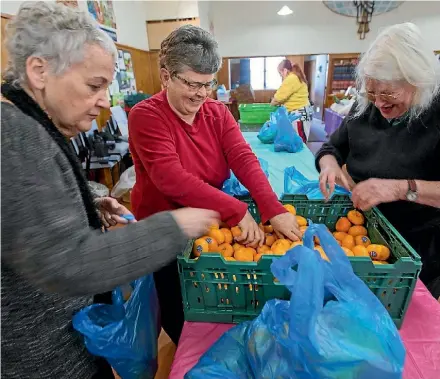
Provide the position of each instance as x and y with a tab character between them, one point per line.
46	237
337	145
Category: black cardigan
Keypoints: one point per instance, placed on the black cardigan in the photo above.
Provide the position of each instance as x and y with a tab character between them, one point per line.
373	147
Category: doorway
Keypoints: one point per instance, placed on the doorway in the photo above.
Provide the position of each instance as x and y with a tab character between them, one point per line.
315	70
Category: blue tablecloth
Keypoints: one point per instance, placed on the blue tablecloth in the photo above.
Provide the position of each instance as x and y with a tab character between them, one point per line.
304	161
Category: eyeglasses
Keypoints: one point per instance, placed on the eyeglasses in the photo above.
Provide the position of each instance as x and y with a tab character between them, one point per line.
382	96
196	86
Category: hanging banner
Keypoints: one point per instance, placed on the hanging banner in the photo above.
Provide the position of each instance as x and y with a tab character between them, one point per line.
103	12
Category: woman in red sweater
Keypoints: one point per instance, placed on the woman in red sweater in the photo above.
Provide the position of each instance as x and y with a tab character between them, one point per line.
184	145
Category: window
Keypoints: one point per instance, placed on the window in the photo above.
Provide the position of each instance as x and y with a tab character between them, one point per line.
261	73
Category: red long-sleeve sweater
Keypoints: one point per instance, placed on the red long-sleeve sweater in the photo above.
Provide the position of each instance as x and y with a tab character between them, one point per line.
181	165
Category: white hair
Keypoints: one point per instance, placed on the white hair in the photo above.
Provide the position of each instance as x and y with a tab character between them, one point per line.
54	32
400	54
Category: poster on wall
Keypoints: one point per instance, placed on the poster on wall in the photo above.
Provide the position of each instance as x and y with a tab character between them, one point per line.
125	73
69	3
104	13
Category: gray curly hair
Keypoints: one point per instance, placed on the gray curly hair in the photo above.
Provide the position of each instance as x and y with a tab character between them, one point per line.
400	54
190	47
54	32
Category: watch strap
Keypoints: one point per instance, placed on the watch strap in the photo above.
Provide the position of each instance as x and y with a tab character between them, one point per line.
412	186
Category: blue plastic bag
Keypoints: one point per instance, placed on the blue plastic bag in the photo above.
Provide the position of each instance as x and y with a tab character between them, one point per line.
332	327
233	187
297	183
124	333
287	139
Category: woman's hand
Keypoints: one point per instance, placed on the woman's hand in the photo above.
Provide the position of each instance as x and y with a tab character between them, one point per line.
285	225
195	222
251	234
110	211
372	192
331	174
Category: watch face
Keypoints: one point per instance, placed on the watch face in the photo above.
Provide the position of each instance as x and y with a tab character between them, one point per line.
411	196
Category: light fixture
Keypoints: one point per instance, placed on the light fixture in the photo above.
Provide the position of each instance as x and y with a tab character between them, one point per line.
285	11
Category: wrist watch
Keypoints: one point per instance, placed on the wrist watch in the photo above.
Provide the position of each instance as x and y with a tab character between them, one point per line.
411	194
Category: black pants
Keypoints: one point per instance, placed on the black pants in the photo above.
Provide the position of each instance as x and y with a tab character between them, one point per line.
170	300
427	244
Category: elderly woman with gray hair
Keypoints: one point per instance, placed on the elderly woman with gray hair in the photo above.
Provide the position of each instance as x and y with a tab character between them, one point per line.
55	256
184	145
390	142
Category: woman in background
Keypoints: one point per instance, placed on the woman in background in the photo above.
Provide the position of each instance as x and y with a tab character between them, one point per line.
390	142
54	255
294	95
184	145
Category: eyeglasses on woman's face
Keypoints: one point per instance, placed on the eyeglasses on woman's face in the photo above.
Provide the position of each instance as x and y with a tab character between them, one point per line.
388	97
197	86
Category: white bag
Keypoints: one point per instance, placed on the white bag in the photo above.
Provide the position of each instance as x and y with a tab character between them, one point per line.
125	184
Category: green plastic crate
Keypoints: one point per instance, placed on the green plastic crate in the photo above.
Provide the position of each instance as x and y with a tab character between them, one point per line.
255	113
215	290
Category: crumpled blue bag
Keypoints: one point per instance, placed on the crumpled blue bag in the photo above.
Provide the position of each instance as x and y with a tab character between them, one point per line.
233	187
332	327
297	183
287	139
124	333
269	130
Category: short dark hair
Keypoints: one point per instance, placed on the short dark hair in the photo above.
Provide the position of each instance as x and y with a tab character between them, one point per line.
190	47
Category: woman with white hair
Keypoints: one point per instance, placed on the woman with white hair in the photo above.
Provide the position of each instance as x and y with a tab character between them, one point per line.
54	254
390	142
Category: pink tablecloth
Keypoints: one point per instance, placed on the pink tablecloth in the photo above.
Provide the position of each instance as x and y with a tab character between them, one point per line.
420	333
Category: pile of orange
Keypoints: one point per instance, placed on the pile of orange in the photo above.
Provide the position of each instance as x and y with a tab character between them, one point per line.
353	237
221	240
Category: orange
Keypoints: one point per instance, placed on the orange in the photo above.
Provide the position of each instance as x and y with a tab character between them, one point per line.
339	243
270	239
284	244
380	262
214	226
356	217
200	246
317	241
348	242
296	243
303	229
236	231
226	250
357	231
254	252
213	245
263	249
360	251
301	221
237	246
362	240
257	257
348	252
339	235
343	225
378	252
217	235
290	208
278	250
268	228
322	253
244	255
229	259
228	235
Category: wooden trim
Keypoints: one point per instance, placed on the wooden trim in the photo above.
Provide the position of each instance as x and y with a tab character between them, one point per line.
121	46
7	15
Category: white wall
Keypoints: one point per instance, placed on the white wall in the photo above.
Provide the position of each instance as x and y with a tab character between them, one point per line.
130	20
171	10
312	29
